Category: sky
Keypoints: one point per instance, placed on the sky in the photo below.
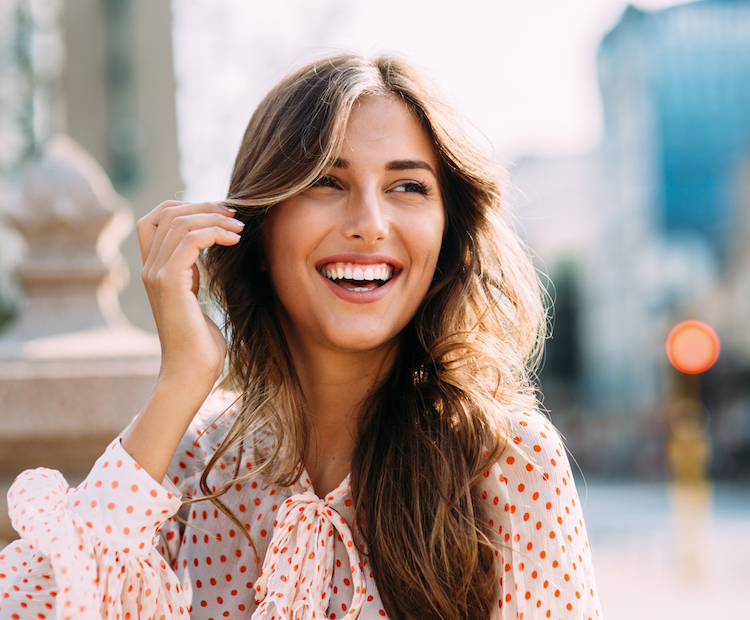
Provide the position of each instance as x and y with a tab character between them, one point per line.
523	72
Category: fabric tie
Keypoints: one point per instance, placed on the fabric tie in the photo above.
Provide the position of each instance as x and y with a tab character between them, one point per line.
295	581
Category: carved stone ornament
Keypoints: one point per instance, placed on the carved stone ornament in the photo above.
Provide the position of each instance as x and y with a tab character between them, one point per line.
73	223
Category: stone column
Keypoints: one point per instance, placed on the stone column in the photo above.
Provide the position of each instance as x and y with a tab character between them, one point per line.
118	90
73	371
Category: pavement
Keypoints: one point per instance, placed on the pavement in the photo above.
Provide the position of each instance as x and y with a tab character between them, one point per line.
662	552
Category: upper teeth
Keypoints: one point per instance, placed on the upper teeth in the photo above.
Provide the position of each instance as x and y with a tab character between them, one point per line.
354	271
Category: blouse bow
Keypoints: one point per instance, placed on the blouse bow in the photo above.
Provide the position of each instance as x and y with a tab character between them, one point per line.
295	581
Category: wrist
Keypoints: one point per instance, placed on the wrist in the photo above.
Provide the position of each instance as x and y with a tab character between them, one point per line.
189	378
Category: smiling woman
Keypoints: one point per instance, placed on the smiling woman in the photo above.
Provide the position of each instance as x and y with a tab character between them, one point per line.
374	447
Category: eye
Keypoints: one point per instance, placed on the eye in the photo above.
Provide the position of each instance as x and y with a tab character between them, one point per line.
326	181
412	186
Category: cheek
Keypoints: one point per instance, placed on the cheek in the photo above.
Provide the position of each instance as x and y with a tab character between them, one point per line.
433	244
440	231
427	241
432	233
288	233
279	264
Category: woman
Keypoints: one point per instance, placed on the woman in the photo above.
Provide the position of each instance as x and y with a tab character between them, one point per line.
375	449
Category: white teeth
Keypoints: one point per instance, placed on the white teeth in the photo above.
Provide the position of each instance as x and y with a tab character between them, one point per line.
350	271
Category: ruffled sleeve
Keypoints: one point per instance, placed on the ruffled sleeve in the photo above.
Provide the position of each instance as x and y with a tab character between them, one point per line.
89	553
545	568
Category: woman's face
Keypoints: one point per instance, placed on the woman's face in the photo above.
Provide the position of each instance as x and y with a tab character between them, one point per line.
352	257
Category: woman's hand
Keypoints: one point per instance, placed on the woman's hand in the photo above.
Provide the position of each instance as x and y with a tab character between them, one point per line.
171	238
193	348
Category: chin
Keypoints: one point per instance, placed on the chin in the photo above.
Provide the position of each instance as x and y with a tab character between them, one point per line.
362	345
360	339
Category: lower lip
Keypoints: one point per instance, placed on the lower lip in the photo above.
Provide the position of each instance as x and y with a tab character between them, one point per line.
360	297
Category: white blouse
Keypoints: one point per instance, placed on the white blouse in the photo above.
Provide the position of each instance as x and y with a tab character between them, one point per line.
115	547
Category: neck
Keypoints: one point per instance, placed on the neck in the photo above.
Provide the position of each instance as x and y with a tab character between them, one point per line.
335	385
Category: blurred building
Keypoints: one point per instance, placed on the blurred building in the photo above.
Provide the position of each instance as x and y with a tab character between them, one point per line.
651	229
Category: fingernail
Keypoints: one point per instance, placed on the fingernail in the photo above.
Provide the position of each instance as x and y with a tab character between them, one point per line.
240	222
230	209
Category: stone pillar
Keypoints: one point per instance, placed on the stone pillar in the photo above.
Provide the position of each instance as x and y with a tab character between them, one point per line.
118	93
73	370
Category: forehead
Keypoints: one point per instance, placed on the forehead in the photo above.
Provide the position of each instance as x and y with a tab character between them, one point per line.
385	127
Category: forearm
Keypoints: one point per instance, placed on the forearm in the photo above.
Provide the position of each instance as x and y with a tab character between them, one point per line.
153	436
193	348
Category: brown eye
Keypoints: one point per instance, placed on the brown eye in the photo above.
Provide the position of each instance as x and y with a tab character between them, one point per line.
326	181
412	186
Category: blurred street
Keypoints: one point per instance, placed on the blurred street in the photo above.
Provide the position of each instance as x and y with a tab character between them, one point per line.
654	562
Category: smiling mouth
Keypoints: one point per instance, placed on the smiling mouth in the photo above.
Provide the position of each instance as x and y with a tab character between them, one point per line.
357	277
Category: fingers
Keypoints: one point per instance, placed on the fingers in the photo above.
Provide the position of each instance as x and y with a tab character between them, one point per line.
171	260
181	247
147	225
190	227
179	220
153	227
172	237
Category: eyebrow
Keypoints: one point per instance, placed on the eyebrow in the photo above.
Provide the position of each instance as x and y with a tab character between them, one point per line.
399	164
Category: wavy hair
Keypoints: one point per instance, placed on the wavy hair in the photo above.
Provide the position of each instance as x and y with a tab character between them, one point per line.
437	422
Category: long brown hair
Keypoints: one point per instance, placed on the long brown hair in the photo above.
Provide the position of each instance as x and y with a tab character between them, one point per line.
436	424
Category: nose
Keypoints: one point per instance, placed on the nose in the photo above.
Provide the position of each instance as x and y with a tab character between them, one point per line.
366	218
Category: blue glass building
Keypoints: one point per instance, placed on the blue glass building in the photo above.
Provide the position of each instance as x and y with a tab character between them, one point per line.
693	65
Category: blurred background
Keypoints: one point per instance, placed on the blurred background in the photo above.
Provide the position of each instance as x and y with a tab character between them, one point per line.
625	129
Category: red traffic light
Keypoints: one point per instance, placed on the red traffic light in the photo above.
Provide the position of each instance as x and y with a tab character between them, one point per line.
692	347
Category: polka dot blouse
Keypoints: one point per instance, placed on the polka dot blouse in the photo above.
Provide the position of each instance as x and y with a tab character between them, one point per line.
121	546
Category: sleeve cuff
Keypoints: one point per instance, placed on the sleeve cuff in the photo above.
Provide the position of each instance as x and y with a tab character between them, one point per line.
121	504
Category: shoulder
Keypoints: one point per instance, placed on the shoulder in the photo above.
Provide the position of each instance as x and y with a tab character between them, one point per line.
531	435
202	438
217	412
212	422
535	520
534	456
